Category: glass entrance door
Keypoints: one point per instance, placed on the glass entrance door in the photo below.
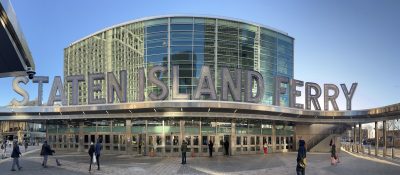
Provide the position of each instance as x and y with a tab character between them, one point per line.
138	144
205	140
172	147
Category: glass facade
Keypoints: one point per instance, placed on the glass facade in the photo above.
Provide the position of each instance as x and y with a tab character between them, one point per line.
189	42
163	136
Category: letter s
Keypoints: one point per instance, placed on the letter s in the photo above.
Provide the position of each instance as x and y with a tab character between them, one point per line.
20	91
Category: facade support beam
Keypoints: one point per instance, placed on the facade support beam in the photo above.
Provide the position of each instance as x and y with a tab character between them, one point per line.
273	136
128	135
80	147
232	145
384	139
376	139
360	138
354	138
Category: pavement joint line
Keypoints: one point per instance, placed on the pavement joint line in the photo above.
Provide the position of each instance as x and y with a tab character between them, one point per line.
375	159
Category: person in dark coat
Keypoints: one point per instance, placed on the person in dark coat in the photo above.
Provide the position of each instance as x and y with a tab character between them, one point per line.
333	154
15	155
184	150
301	155
3	149
226	145
98	149
46	152
91	153
210	147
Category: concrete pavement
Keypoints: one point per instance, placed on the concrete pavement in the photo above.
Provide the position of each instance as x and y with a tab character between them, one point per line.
277	163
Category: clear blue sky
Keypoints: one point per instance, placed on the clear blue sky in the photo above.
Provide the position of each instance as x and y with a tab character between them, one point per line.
335	41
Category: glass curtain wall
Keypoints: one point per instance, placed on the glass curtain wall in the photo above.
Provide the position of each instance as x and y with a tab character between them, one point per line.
189	42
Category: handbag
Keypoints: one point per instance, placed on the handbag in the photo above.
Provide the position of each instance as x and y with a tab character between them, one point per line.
94	158
303	163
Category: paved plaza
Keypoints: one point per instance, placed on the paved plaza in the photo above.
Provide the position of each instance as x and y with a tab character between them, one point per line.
277	163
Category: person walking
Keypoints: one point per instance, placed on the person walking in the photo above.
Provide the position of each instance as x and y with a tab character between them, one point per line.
301	158
46	152
265	147
183	150
3	149
91	154
140	147
333	154
210	147
15	155
26	146
226	145
98	149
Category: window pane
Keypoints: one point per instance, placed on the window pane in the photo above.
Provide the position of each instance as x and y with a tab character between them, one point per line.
158	28
181	27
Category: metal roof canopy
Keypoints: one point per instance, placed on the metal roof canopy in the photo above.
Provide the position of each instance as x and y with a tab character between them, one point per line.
15	57
199	108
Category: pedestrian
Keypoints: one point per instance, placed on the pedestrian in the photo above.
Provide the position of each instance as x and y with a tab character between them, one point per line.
92	155
210	147
333	154
265	146
15	155
26	146
183	150
3	149
301	158
98	149
46	152
226	145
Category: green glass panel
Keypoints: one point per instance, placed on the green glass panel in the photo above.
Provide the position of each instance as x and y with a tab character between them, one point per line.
53	130
138	129
224	130
209	130
119	129
173	129
241	130
192	130
103	129
155	129
267	131
254	131
89	129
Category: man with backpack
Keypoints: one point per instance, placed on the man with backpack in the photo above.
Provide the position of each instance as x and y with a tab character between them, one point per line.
45	152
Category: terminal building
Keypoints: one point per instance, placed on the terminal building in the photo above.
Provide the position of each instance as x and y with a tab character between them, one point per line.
189	42
142	125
